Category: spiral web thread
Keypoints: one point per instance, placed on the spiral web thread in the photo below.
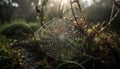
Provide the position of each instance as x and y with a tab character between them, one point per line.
59	39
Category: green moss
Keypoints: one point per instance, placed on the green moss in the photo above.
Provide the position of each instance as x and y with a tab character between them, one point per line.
18	29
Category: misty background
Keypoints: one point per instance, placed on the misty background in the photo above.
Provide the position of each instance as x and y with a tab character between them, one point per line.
94	10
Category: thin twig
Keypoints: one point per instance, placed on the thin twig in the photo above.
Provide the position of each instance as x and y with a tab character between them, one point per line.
85	61
111	18
81	30
81	11
112	11
110	21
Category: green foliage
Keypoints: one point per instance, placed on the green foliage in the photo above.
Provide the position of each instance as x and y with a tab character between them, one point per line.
18	29
96	47
9	58
34	26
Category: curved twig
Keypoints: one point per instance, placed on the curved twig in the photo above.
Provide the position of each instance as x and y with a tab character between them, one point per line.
71	62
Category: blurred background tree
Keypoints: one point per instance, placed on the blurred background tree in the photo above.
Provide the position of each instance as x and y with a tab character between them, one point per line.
95	10
17	9
6	11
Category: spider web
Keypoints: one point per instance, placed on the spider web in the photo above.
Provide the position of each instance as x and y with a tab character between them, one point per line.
59	39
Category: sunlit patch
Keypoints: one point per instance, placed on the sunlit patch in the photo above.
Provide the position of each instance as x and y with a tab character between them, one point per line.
32	4
39	2
15	5
6	1
97	0
87	3
51	5
64	2
55	0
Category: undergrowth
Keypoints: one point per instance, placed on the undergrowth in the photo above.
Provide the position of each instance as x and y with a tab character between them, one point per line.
95	45
9	58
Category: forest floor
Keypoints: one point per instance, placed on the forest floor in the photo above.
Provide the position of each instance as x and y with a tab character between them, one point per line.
33	57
